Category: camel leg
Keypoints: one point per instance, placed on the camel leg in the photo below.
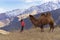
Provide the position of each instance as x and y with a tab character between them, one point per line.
51	27
42	29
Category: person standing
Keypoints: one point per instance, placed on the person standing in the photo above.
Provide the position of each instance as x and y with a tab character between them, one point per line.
22	25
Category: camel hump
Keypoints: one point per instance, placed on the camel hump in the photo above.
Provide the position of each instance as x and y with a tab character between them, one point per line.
43	14
48	13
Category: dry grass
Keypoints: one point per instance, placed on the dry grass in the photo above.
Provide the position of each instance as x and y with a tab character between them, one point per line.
33	34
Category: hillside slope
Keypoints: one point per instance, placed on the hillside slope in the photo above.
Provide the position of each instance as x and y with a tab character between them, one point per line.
33	34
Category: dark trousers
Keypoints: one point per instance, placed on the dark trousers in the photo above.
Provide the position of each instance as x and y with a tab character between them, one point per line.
22	28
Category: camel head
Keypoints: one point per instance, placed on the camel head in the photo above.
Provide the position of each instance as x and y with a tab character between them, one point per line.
30	16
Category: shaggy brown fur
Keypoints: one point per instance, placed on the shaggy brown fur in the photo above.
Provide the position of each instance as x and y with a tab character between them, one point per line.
45	18
34	20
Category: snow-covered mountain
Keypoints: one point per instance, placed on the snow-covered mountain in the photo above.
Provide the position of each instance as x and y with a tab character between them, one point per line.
44	7
40	8
14	12
49	6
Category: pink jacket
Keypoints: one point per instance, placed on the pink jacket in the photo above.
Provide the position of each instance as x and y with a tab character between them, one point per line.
23	23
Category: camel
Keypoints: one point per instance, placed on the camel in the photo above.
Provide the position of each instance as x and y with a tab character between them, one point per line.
44	19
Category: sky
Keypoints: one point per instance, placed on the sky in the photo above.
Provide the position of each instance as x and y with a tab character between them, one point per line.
8	5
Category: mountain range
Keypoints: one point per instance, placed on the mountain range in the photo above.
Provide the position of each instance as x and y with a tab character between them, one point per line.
16	15
49	6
